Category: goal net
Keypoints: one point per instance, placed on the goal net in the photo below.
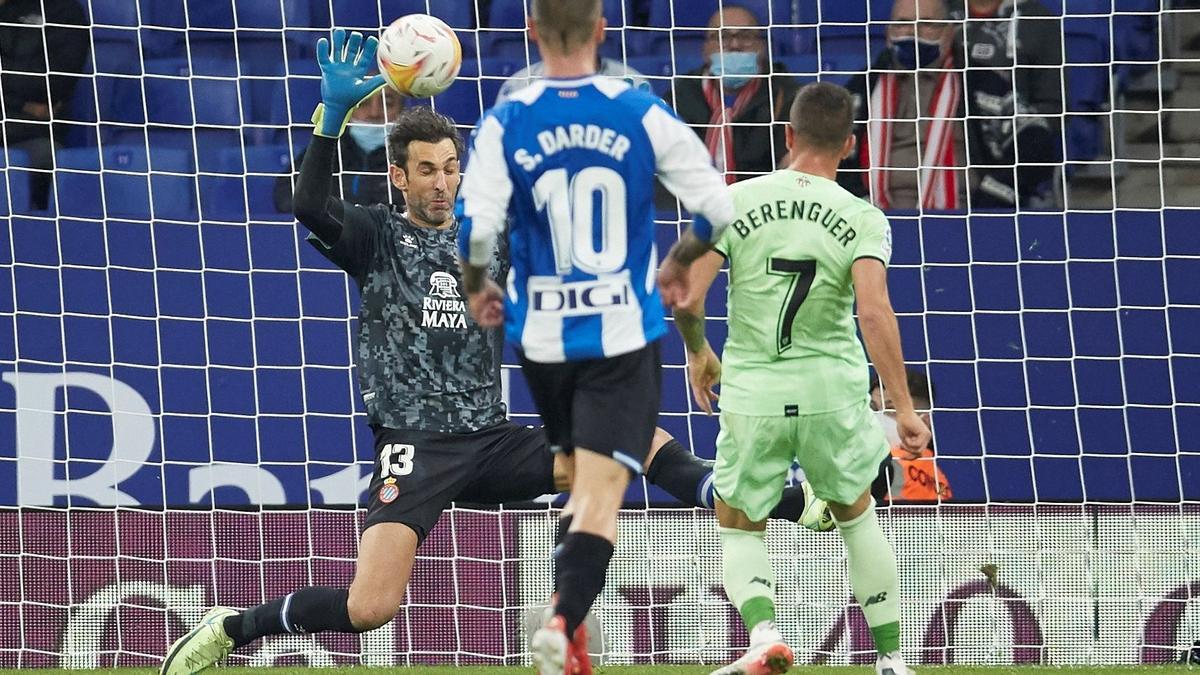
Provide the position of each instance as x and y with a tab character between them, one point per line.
180	425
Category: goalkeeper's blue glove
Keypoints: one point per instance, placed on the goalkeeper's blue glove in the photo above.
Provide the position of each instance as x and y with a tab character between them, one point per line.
343	80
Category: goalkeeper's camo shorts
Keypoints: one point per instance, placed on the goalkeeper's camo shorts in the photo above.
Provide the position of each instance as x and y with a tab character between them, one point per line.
839	451
418	473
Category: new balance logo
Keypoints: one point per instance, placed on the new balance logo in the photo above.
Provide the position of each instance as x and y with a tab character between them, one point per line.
875	599
760	580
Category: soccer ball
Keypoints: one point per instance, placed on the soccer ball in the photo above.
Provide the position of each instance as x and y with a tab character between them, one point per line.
419	55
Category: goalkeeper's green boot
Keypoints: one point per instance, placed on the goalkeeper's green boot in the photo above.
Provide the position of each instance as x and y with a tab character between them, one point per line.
202	647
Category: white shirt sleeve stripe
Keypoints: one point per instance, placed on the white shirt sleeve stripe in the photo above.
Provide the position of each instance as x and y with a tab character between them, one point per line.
685	168
486	191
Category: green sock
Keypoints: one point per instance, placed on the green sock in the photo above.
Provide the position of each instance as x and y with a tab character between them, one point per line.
873	578
749	579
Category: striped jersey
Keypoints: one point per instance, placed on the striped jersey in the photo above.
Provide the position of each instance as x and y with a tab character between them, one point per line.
565	169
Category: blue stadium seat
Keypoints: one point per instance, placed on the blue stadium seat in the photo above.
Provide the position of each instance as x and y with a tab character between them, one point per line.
375	15
841	68
1087	7
223	198
14	183
88	192
455	14
113	12
864	41
293	100
468	97
295	13
205	143
668	14
116	51
252	53
618	42
248	179
1087	55
510	43
271	161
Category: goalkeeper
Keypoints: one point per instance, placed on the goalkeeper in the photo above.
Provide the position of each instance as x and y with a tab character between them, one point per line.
804	250
429	376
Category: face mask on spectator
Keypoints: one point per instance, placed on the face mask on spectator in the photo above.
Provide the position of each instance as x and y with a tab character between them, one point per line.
888	423
370	137
913	52
734	68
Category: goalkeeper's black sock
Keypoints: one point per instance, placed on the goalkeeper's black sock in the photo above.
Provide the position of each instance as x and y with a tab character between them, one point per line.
564	524
689	479
309	610
683	475
582	566
791	506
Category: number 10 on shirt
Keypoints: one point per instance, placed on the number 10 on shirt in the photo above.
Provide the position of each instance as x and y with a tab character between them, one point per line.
572	205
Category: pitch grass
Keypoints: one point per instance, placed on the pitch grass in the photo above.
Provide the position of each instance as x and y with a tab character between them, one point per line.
657	670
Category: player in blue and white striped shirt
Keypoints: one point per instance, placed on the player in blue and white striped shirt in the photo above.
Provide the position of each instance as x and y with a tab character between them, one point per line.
565	169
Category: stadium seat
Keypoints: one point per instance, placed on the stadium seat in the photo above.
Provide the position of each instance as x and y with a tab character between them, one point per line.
668	14
14	183
245	188
505	36
116	51
83	190
293	100
113	12
618	42
295	13
455	14
1087	70
468	97
375	15
246	53
264	164
864	41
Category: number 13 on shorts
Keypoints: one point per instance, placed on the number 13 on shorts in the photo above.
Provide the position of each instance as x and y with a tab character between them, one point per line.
396	459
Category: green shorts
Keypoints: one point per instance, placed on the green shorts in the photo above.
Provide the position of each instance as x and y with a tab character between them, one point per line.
839	451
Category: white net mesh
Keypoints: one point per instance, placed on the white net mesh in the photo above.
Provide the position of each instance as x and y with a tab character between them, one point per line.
178	411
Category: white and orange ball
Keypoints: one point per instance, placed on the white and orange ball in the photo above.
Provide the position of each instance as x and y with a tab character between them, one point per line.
419	55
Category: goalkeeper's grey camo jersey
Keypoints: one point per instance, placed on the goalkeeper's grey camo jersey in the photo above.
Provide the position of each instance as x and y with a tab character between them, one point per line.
422	362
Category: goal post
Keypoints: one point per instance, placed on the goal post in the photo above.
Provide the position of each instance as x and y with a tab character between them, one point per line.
180	423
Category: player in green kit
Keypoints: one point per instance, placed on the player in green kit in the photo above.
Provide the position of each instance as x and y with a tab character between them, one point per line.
801	252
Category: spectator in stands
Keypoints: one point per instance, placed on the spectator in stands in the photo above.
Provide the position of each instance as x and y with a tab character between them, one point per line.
913	146
362	159
924	122
908	477
1014	124
610	67
31	96
734	102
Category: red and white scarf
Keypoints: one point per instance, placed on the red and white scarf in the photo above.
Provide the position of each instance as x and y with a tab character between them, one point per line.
719	137
939	180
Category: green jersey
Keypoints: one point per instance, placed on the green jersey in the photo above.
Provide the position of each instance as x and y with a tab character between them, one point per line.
792	347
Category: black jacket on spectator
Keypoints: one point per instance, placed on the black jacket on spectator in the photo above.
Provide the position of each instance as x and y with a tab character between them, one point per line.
1003	155
23	54
756	149
363	181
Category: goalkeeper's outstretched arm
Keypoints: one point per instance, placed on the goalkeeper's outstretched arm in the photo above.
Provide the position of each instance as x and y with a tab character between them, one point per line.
313	205
344	85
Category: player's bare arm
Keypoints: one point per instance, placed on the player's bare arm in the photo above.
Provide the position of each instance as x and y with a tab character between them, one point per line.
704	368
673	277
485	300
881	333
